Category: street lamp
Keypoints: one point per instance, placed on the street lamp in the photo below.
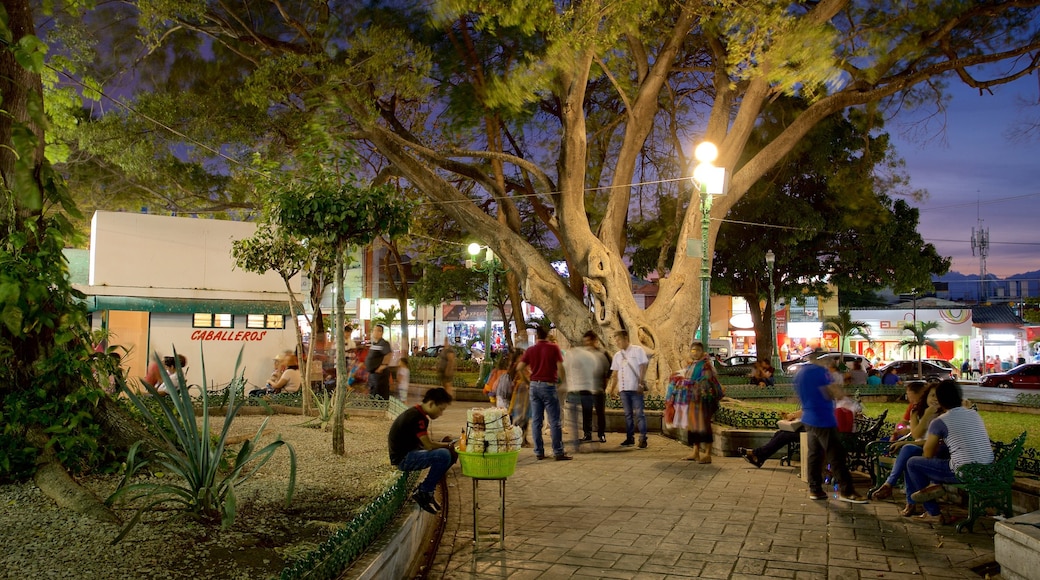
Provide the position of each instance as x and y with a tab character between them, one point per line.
778	368
710	181
491	266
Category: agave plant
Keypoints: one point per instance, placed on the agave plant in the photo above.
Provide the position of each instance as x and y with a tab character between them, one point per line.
323	404
204	481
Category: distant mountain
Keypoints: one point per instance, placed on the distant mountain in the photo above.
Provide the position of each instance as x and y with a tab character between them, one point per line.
967	287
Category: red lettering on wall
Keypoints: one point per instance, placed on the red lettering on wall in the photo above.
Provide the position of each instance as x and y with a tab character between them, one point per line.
229	335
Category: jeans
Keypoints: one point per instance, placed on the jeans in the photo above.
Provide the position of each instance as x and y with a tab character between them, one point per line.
579	402
438	460
922	471
780	439
824	444
545	400
599	403
632	401
899	467
379	384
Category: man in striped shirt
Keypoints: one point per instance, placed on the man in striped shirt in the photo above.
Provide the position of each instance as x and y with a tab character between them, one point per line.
965	436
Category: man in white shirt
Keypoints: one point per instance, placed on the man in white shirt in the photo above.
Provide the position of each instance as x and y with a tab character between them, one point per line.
964	434
583	371
629	370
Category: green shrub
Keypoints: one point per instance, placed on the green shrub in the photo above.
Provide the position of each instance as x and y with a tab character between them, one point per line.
204	484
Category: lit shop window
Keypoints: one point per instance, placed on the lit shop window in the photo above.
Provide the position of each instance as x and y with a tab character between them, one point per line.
276	321
206	320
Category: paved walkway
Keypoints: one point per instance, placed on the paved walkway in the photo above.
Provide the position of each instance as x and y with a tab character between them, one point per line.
644	513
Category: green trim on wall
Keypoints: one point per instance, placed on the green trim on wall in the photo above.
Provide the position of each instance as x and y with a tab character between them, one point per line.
186	305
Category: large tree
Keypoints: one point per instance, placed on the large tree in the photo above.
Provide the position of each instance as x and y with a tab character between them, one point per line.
586	110
831	213
54	417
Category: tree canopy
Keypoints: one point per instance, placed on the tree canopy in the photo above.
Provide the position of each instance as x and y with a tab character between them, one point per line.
583	113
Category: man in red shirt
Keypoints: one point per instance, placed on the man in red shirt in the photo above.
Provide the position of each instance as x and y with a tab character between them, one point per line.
546	362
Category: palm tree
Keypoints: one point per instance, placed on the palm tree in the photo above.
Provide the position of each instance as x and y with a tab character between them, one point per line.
919	329
386	317
846	328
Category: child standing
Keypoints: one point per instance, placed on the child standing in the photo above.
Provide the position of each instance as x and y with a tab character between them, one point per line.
403	377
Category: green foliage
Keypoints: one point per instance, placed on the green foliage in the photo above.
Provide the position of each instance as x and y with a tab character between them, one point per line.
49	377
202	482
846	328
919	340
340	213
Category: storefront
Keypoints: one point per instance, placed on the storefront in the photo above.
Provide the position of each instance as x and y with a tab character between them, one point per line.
159	283
954	327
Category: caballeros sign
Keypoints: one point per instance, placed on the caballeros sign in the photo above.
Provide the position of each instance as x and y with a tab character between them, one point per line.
229	335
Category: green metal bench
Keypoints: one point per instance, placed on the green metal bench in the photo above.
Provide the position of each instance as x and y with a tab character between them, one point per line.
986	486
989	486
865	430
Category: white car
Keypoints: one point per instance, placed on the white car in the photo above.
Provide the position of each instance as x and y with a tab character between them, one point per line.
848	357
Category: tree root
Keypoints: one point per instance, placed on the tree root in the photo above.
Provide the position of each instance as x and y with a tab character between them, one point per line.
57	484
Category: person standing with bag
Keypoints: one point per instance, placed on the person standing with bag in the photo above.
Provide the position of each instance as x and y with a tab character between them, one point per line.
705	392
629	368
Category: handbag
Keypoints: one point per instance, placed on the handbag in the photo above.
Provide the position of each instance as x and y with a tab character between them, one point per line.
669	412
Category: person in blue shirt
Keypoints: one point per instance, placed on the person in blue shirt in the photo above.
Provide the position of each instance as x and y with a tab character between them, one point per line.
890	378
817	391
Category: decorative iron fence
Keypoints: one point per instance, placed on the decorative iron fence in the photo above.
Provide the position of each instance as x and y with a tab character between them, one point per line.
334	555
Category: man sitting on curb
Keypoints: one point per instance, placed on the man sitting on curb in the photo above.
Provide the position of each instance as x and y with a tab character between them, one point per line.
411	448
964	434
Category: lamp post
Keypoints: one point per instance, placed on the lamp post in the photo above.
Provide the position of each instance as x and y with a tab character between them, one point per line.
778	368
489	265
710	181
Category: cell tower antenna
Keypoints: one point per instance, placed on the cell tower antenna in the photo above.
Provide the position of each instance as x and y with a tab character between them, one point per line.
980	248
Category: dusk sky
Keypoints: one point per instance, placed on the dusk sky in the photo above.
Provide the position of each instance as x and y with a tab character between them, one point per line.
977	170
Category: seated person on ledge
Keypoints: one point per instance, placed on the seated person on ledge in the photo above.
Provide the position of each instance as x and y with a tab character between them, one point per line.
844	411
411	448
964	434
291	379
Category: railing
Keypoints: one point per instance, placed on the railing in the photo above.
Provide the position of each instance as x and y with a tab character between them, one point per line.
337	553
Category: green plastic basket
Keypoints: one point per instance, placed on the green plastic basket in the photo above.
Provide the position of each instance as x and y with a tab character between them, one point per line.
488	465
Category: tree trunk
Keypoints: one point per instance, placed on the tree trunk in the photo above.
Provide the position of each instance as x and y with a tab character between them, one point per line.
293	305
55	483
338	437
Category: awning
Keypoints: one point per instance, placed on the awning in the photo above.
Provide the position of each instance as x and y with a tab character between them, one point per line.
186	305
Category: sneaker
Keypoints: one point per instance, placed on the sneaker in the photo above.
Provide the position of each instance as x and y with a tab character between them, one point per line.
628	443
562	457
539	456
585	439
930	493
425	501
817	495
853	498
602	438
642	443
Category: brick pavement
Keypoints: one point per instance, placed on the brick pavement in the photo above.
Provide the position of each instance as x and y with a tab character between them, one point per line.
644	513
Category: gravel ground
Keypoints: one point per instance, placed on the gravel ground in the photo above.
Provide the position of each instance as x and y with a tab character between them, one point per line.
41	541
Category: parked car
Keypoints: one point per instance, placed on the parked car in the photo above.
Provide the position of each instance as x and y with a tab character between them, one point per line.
848	357
907	370
1025	376
461	352
954	371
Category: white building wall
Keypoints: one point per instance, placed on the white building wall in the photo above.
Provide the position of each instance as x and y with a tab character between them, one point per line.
148	255
220	347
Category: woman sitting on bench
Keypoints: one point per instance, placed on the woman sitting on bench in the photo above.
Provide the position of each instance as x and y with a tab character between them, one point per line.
924	406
